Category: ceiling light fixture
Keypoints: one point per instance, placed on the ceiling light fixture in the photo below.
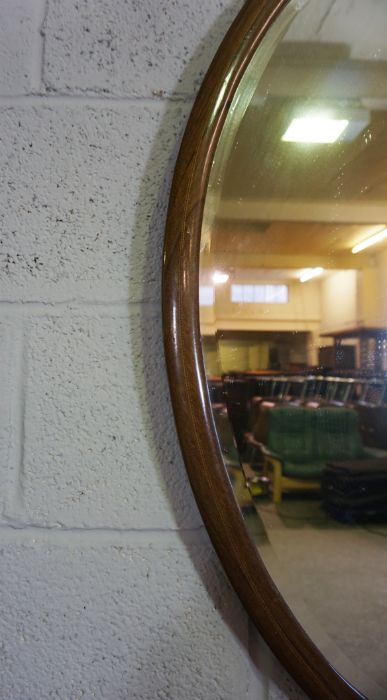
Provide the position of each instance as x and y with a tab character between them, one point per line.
310	273
376	238
315	128
220	277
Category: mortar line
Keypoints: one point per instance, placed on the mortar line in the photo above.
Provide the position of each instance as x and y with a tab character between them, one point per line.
15	531
79	301
39	99
71	307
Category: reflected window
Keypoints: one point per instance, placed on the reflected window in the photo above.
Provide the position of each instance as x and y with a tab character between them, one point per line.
206	295
260	293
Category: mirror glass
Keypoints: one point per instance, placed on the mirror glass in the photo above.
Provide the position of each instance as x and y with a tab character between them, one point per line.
293	314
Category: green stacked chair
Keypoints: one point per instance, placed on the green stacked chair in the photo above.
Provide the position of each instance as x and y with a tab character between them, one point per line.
302	441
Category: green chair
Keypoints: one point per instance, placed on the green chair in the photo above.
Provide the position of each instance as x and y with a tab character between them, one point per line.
301	441
291	457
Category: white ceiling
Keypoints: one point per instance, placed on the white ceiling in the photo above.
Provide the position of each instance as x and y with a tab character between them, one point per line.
361	24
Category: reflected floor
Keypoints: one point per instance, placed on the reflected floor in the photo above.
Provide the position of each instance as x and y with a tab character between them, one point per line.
335	575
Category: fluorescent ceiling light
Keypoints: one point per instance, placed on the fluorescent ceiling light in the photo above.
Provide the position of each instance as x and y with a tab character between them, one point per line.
310	273
220	277
376	238
315	129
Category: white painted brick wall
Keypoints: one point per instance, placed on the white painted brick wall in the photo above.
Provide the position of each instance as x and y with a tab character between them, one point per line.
90	183
132	48
117	617
9	400
20	50
102	452
109	587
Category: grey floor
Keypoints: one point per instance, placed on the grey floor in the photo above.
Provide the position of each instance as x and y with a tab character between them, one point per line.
334	576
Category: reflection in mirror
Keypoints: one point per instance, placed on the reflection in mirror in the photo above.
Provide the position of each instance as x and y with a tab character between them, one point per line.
293	313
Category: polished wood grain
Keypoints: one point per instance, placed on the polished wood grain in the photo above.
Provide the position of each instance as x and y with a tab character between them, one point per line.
187	378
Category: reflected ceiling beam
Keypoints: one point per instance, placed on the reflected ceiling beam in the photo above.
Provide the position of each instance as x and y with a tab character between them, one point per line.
270	326
342	261
324	78
312	211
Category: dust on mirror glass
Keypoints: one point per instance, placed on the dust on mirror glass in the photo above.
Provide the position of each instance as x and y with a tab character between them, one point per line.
293	314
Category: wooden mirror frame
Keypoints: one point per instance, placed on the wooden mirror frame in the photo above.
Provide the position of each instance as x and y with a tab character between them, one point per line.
187	377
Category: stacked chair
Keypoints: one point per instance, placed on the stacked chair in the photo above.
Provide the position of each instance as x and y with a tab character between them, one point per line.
302	442
310	433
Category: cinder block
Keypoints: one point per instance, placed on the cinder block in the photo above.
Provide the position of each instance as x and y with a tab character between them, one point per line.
282	686
131	47
9	408
261	664
100	443
19	34
119	621
268	679
84	192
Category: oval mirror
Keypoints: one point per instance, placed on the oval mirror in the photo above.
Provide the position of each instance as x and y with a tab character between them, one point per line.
275	294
